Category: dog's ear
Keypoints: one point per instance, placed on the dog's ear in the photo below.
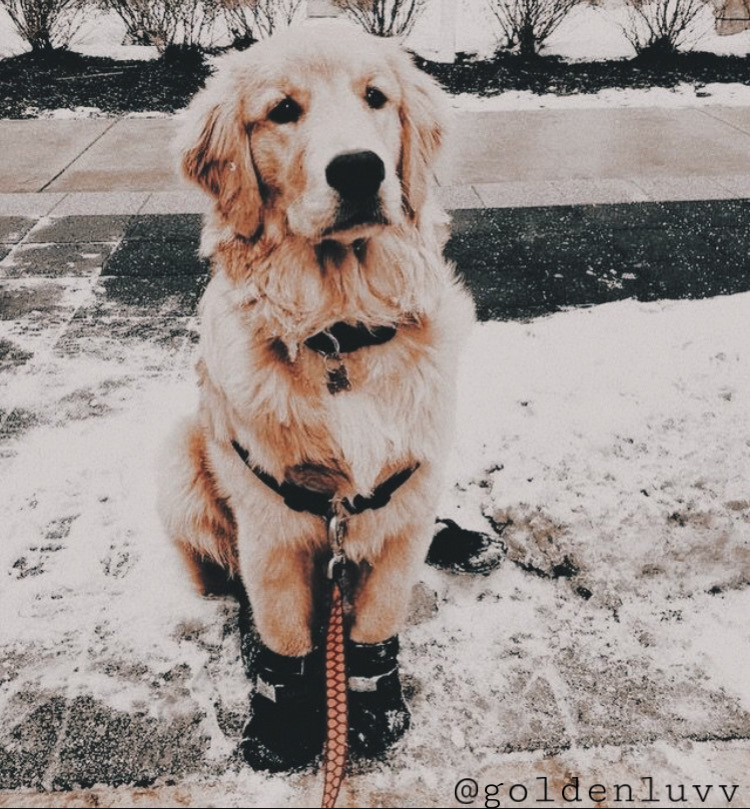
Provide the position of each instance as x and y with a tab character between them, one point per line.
424	121
214	150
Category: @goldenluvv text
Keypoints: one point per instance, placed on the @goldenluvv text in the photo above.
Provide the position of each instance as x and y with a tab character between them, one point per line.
577	792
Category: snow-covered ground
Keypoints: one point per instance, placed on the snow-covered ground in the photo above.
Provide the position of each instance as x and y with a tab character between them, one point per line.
726	94
613	442
588	32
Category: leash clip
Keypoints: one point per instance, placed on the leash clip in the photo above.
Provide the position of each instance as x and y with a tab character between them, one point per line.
336	523
336	567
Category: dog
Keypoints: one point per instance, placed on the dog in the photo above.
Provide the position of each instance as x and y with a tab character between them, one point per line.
330	337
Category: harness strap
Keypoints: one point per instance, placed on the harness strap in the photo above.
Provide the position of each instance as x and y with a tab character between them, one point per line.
298	498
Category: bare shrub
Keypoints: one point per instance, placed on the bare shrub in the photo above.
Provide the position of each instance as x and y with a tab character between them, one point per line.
384	18
45	24
250	20
662	27
527	24
163	23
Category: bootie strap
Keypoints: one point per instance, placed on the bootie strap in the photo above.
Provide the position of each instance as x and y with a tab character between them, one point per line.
365	685
372	659
277	673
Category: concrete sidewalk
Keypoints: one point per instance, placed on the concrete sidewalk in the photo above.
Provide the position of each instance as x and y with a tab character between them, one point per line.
497	159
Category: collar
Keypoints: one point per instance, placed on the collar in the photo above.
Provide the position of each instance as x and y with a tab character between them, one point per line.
343	338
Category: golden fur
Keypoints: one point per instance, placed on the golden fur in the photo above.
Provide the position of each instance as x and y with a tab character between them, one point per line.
282	272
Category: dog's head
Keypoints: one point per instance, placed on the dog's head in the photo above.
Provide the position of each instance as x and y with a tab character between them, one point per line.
323	131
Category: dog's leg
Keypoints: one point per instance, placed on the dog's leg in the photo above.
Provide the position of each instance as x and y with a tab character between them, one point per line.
382	601
285	730
278	581
196	518
377	711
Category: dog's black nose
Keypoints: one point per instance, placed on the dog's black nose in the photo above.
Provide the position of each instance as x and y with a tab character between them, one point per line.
356	175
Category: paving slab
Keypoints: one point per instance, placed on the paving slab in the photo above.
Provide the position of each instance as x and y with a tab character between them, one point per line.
40	303
600	191
737	184
519	194
117	338
35	152
90	203
76	228
542	145
55	260
132	296
133	155
165	227
28	204
143	259
675	188
14	228
459	197
738	117
171	202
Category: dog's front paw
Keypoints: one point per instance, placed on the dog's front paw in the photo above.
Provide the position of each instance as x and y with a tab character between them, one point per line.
286	729
378	716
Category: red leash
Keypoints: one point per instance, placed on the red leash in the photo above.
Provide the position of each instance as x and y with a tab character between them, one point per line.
337	712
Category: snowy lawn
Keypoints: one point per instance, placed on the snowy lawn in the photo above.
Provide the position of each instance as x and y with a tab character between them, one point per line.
610	448
588	33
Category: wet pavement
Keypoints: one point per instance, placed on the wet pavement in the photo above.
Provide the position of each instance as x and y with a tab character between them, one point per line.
66	278
525	262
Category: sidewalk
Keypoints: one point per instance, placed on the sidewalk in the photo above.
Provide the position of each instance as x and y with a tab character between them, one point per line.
497	159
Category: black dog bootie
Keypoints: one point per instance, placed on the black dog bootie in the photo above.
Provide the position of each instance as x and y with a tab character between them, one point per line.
461	551
378	716
286	729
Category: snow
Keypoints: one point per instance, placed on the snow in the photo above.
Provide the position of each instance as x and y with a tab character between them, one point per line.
729	94
589	32
616	437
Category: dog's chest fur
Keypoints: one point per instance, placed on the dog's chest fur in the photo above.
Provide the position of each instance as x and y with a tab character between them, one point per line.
274	390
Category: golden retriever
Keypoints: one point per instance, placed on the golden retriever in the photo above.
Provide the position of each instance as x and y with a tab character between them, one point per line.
318	147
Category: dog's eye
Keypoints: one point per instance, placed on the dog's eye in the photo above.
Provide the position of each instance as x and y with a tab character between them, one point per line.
375	98
285	112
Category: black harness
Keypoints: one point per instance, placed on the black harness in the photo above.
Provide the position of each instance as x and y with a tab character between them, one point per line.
340	338
298	498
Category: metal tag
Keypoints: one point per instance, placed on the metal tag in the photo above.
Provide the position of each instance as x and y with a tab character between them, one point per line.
338	379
